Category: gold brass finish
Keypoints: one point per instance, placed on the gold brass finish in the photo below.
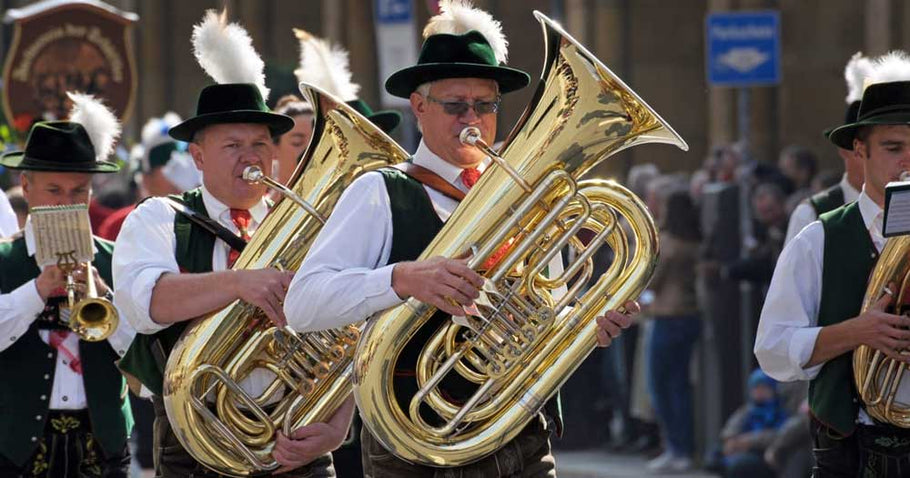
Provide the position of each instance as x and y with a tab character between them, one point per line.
523	341
93	318
879	377
221	425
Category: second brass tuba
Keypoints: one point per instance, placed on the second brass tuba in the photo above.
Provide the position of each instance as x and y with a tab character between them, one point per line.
220	424
523	342
880	380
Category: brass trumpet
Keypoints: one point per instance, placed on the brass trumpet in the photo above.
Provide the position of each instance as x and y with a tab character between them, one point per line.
93	318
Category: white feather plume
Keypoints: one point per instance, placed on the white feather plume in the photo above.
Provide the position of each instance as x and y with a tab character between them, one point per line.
893	66
225	51
458	17
326	66
858	69
100	123
154	132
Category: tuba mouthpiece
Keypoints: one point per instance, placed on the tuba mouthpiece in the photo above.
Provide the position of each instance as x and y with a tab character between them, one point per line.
252	174
469	135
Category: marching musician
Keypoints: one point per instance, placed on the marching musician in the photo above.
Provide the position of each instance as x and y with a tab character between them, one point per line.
847	190
64	411
811	321
363	260
171	270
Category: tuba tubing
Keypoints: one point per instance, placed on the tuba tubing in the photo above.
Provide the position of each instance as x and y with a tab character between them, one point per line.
530	204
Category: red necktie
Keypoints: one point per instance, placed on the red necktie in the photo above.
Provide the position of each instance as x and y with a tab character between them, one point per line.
469	177
241	219
56	341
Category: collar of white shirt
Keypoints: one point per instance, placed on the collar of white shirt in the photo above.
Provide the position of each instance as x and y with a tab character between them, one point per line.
220	211
850	193
446	170
30	246
872	218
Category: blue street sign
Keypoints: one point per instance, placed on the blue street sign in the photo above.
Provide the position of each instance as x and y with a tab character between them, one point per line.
743	48
393	11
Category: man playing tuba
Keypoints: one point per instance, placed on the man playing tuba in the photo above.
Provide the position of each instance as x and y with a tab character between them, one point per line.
811	321
64	411
171	270
363	260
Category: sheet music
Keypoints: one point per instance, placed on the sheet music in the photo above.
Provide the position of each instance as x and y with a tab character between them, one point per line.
61	230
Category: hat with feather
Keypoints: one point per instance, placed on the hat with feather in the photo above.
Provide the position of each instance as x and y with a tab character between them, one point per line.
885	99
857	70
326	66
460	42
225	51
80	145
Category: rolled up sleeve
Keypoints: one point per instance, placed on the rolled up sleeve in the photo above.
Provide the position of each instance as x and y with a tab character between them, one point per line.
788	328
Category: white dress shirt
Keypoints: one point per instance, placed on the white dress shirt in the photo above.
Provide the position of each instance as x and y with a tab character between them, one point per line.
788	327
804	214
21	307
9	223
146	249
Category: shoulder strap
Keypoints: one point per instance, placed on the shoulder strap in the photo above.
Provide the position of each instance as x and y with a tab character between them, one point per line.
431	179
208	225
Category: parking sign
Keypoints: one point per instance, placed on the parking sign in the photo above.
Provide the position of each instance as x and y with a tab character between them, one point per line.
743	48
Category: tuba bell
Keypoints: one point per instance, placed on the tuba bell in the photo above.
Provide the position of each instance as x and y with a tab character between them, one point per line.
522	342
223	426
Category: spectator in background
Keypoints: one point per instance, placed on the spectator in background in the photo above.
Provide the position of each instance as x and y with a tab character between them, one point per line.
676	328
799	165
162	166
8	223
19	204
751	430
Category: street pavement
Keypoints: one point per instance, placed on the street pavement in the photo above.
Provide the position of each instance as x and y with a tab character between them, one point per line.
600	464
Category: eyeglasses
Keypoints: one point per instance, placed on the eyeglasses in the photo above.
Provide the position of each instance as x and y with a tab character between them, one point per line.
458	108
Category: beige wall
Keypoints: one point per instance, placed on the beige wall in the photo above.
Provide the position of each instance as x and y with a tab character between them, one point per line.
656	46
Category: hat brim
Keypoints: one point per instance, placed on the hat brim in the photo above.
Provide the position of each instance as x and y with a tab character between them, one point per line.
18	160
843	136
403	82
387	120
277	124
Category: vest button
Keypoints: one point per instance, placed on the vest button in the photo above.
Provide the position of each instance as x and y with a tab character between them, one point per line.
43	397
34	439
47	376
38	417
50	355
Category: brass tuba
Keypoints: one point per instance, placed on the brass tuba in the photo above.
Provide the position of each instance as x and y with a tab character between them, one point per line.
879	378
220	424
522	342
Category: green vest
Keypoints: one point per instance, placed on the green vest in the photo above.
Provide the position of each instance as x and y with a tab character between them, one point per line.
414	225
27	371
827	200
849	256
147	356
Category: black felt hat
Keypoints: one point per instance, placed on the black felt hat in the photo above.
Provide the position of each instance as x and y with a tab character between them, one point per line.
882	104
446	55
58	146
231	103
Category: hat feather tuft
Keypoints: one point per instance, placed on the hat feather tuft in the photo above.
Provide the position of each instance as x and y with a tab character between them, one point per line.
326	66
225	51
893	66
458	17
100	123
857	71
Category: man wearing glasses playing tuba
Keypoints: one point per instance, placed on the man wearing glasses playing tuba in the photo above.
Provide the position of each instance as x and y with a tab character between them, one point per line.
363	260
64	409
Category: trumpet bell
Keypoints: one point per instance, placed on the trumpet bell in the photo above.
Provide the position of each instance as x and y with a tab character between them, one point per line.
94	319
